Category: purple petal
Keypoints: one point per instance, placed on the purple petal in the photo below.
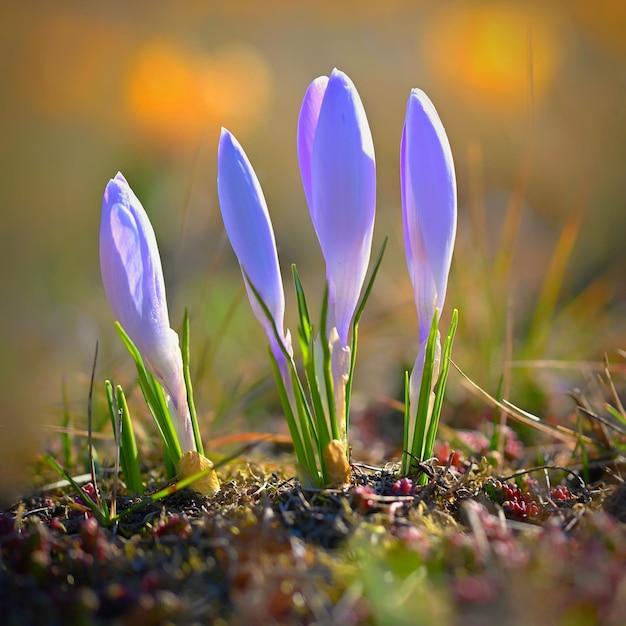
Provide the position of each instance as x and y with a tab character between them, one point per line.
343	185
307	124
429	206
249	229
131	267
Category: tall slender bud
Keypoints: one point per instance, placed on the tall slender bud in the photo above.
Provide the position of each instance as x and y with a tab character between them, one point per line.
249	228
429	206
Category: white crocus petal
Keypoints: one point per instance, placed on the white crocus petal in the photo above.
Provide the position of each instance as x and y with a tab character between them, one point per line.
339	178
133	281
429	205
249	229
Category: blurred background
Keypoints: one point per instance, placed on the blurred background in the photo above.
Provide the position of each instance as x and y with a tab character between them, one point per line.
531	95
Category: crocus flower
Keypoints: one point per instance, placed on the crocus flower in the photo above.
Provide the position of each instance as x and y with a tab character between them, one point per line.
249	229
338	168
336	156
133	282
428	187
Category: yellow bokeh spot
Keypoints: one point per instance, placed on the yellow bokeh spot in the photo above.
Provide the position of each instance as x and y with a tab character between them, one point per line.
173	95
497	54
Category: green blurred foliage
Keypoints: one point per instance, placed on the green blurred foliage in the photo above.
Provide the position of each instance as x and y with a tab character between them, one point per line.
532	97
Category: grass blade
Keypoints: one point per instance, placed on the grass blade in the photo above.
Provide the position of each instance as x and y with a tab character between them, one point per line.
155	399
440	387
128	446
188	385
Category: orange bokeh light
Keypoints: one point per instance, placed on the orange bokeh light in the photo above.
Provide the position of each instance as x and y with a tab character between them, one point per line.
495	54
173	95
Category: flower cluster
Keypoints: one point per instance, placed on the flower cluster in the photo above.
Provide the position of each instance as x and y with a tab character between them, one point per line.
336	155
337	164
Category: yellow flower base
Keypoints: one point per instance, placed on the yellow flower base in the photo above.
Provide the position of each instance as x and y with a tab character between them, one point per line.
191	463
337	466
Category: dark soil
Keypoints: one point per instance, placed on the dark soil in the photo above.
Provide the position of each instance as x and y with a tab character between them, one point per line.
468	547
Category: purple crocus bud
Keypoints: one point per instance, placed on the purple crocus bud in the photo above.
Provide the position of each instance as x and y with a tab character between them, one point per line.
249	228
336	156
429	206
133	282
